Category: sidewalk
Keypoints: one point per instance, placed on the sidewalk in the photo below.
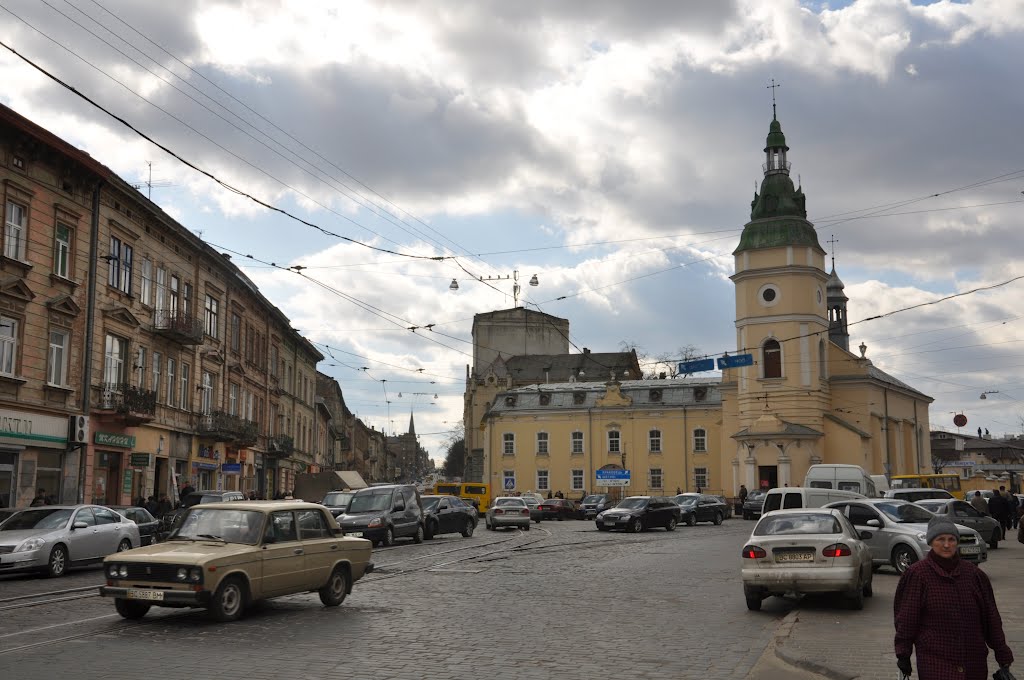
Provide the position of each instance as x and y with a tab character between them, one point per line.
843	644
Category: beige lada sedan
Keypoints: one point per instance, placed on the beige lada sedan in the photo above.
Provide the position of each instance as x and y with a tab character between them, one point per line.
224	556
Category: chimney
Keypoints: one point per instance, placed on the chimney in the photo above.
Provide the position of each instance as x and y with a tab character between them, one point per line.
586	350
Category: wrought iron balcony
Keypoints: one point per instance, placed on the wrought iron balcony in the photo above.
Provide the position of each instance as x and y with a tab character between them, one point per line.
281	443
178	326
224	427
135	404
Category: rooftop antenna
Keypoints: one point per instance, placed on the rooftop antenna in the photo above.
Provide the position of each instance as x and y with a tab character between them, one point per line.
149	183
833	241
772	88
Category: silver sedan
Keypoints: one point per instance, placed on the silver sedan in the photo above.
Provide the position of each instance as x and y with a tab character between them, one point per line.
52	538
508	511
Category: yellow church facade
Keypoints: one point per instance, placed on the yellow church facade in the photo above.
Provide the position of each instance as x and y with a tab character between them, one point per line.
802	398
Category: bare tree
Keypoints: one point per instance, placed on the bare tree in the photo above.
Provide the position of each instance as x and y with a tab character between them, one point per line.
667	363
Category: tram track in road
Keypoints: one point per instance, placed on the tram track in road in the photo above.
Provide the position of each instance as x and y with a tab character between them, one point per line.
49	597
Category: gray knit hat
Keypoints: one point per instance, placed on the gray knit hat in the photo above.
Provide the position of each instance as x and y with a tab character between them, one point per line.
939	525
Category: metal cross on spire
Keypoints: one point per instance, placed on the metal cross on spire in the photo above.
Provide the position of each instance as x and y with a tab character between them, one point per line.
832	242
772	88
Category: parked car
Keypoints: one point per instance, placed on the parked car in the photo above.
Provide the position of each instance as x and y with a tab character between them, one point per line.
594	504
914	495
964	513
170	520
337	501
536	514
725	502
223	557
639	513
508	511
7	512
149	526
898	530
384	513
447	515
754	503
697	507
473	503
806	550
52	538
557	508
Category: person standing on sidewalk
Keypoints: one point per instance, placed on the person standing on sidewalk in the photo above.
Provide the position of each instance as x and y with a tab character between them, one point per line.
945	610
979	503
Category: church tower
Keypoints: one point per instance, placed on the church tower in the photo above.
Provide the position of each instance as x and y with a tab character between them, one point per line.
837	331
782	319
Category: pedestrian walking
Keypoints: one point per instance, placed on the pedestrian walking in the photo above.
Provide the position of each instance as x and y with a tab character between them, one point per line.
1014	508
742	494
979	503
945	611
999	508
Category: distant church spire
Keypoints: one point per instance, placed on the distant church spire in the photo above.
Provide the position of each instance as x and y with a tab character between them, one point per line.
412	425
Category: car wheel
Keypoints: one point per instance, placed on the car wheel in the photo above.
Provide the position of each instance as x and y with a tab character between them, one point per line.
671	526
334	592
58	562
418	536
856	598
753	598
868	590
636	526
718	518
228	602
537	521
129	609
467	530
691	520
526	527
125	544
994	541
746	515
389	537
430	532
902	558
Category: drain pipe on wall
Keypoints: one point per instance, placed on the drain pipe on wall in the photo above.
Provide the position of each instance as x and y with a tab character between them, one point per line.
90	323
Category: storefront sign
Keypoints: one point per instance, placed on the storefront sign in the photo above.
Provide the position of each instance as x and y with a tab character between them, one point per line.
126	482
205	466
30	429
231	468
124	441
140	460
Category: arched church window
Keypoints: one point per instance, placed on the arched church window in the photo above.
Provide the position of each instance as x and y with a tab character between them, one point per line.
772	357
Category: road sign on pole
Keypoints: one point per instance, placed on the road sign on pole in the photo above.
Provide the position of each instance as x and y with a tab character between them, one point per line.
735	361
510	483
612	478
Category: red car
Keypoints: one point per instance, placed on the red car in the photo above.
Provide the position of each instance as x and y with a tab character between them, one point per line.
557	508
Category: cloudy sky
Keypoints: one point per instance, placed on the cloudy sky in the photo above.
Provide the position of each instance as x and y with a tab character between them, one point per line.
611	148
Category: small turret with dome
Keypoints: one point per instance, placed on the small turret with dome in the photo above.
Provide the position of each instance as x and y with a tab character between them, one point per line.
837	330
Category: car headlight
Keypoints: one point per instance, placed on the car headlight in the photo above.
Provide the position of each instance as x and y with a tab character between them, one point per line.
375	523
195	574
122	571
182	573
30	544
112	570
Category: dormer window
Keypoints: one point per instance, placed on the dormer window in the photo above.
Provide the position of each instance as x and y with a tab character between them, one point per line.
654	395
510	401
545	399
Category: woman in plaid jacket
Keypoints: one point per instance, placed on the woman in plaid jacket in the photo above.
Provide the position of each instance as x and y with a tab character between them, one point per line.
945	608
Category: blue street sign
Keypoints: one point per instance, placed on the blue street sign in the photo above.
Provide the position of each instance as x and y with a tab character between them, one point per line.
510	483
612	477
735	361
696	366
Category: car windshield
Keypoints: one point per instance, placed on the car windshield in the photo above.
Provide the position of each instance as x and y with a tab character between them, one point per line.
905	513
632	503
798	523
756	495
685	500
338	499
228	525
934	506
51	518
593	499
532	502
510	501
369	502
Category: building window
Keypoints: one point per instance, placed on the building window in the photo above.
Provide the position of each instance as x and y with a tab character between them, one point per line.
577	442
273	360
233	399
8	345
147	281
210	317
140	368
186	395
206	394
614	441
577	479
654	441
542	480
655	476
542	443
120	266
62	251
114	356
508	480
15	231
157	362
186	299
508	444
700	478
57	368
236	333
700	440
772	352
172	383
161	288
175	292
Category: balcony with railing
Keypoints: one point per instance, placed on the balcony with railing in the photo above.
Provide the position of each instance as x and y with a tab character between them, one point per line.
134	404
224	427
281	444
178	326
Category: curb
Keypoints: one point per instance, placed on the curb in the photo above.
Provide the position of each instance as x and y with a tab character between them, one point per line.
782	633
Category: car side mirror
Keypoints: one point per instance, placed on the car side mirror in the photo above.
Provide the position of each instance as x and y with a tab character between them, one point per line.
865	535
874	523
79	525
338	531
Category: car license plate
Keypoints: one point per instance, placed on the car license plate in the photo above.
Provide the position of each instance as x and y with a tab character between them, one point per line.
795	557
355	534
970	549
134	594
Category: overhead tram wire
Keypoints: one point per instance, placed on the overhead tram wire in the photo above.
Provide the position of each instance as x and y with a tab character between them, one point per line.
206	173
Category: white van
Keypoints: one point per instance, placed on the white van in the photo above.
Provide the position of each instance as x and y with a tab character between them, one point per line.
842	477
804	497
